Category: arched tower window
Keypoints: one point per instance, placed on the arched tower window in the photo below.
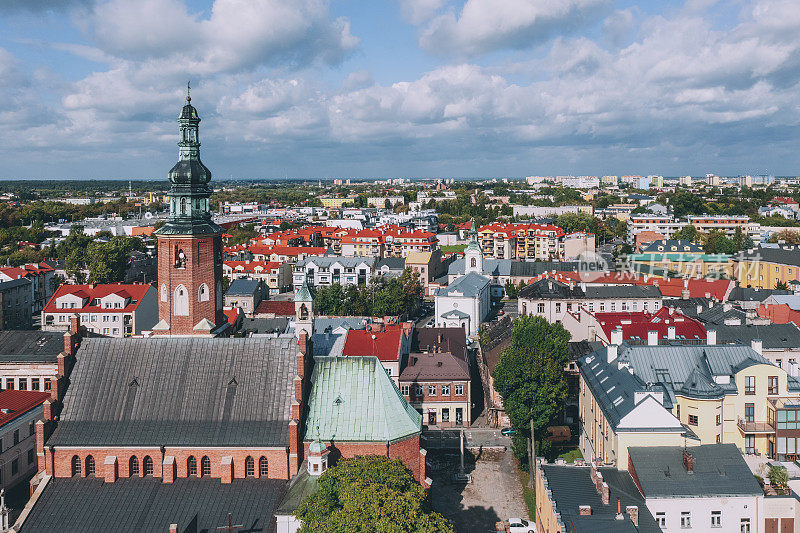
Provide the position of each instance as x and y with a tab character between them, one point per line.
263	467
180	301
473	262
76	466
303	312
164	292
147	463
205	466
180	258
191	466
249	467
89	465
133	466
202	293
183	206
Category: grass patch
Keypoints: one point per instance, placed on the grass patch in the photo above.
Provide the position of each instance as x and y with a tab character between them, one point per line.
453	248
570	455
528	493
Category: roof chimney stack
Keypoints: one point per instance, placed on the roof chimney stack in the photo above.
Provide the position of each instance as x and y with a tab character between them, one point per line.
688	461
652	338
757	346
671	332
711	337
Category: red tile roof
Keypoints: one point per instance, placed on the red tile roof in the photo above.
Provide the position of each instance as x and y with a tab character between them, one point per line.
276	307
385	346
135	291
15	403
640	323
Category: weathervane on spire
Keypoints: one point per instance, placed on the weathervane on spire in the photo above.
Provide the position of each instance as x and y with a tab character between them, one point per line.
188	90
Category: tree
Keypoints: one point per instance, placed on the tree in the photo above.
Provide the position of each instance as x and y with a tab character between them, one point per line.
530	378
786	235
778	477
369	493
686	233
781	286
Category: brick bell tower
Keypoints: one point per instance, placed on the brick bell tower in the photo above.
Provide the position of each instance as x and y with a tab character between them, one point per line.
189	244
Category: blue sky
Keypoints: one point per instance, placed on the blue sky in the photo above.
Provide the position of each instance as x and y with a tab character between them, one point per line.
481	88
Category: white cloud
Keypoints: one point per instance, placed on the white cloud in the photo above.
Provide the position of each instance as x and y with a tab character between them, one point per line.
486	25
419	11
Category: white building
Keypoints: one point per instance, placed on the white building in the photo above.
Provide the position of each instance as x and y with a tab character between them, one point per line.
328	270
466	302
19	412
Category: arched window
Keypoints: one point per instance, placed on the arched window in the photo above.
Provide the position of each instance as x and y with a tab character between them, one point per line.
180	301
147	463
303	312
473	262
263	467
164	292
133	467
202	293
249	467
76	466
191	466
183	206
205	466
89	465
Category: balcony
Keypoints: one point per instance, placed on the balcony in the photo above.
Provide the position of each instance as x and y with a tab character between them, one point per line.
754	427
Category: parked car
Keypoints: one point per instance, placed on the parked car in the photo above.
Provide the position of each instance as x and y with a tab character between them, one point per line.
518	525
508	431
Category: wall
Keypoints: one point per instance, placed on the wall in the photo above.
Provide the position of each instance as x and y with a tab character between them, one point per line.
20	451
547	520
733	510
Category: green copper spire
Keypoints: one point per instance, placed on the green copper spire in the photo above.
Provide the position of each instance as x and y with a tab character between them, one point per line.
304	293
189	212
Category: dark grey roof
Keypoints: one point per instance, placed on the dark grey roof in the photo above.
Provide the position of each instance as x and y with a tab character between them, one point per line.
265	325
435	366
30	346
773	336
328	344
325	324
578	349
673	246
719	470
146	505
469	286
179	392
547	288
751	294
623	291
785	255
571	487
392	263
13	284
453	340
243	287
511	267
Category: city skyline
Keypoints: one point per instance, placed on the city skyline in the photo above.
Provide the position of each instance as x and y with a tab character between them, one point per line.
412	88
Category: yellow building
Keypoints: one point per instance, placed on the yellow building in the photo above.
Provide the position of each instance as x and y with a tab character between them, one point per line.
696	394
687	265
765	267
336	203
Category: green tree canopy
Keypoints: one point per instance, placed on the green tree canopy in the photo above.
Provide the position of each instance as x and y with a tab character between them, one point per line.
686	233
367	494
530	377
395	297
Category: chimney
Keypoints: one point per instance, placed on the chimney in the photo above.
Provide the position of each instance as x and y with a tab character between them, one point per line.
688	461
619	516
48	410
75	324
585	510
633	512
757	346
611	352
671	332
173	528
671	310
652	338
605	493
711	337
616	336
699	309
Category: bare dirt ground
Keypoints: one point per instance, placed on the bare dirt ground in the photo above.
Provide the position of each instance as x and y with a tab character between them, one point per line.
494	494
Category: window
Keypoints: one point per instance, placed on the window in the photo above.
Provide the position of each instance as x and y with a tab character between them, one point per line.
147	463
16	437
716	518
205	466
202	293
263	467
47	384
34	383
459	390
661	518
10	384
163	295
719	420
431	390
558	307
445	415
445	390
89	465
749	412
692	420
772	385
745	525
750	444
686	519
249	467
191	466
750	385
417	390
404	390
540	308
15	471
181	301
76	466
31	456
133	467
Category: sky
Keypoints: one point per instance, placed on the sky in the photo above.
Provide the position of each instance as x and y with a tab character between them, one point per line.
401	88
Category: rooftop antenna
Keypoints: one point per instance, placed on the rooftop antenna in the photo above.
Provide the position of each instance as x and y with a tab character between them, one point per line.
188	90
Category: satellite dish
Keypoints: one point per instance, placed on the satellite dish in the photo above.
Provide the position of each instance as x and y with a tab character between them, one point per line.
148	215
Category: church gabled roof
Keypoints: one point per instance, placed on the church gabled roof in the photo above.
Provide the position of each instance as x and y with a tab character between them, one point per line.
181	391
353	399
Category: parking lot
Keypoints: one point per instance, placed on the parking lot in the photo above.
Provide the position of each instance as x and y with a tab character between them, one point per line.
494	494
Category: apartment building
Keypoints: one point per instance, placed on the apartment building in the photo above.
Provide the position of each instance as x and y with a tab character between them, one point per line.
524	241
766	266
16	304
276	276
665	225
111	310
41	276
329	270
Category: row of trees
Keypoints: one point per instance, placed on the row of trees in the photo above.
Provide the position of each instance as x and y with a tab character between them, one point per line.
715	242
380	297
106	261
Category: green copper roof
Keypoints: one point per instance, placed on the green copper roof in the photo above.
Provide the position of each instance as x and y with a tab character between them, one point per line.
353	399
304	293
303	485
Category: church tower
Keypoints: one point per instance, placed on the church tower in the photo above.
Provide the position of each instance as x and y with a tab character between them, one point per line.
189	244
473	256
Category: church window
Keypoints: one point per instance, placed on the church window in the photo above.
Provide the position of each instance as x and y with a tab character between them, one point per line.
303	312
164	292
249	467
205	466
76	466
147	463
473	262
89	465
202	293
263	467
180	258
181	301
183	206
133	467
191	466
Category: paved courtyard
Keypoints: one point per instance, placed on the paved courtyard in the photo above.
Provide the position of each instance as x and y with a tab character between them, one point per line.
494	494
